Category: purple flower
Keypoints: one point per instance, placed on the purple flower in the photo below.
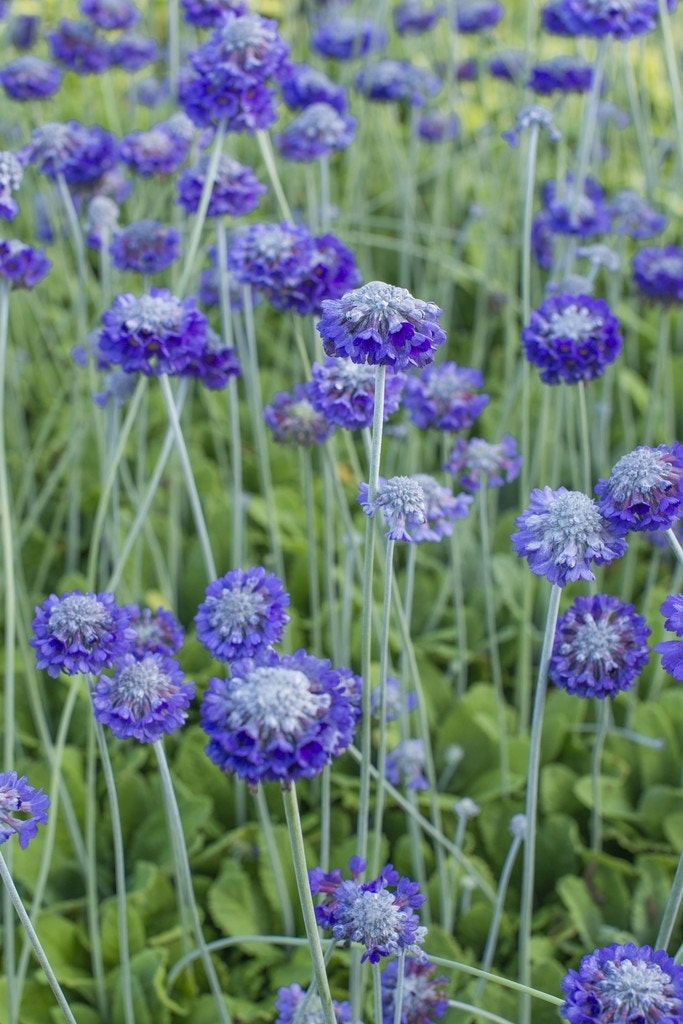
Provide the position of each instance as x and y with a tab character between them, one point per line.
23	31
382	920
345	392
76	45
17	797
102	221
381	324
599	18
402	501
131	51
159	150
236	190
526	118
110	14
625	983
304	85
572	338
442	508
156	632
477	462
658	273
317	131
21	264
562	533
644	491
561	74
600	647
391	81
81	153
152	334
424	996
477	15
117	386
586	216
434	125
280	718
510	65
289	1000
632	216
30	78
445	397
406	763
244	612
145	698
542	240
412	17
347	37
80	633
145	247
210	13
214	363
672	650
294	421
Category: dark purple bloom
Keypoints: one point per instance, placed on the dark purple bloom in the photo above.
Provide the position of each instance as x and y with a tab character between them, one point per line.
477	462
561	74
159	150
435	125
588	215
17	797
406	764
131	51
102	221
562	533
211	101
632	216
279	718
445	397
110	14
402	501
510	65
345	392
477	15
572	338
304	85
600	647
81	153
658	273
424	996
145	698
644	491
289	1000
626	983
210	13
79	632
235	192
621	18
30	78
391	81
11	175
152	334
381	324
21	264
244	612
672	650
156	632
317	131
347	37
294	421
214	364
77	46
145	247
411	17
382	920
441	507
23	31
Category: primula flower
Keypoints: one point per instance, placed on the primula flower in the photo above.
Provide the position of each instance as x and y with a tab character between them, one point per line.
672	650
600	647
631	215
317	131
623	19
156	632
210	13
644	491
510	65
303	85
81	153
402	501
406	763
279	718
214	363
110	14
79	632
77	46
412	17
294	420
476	462
382	920
236	190
393	701
345	392
21	264
145	247
572	338
526	118
30	78
477	15
144	699
625	983
442	508
289	1000
658	273
102	221
391	81
562	533
424	995
561	74
445	397
17	797
132	52
160	150
588	215
434	125
23	31
243	613
347	37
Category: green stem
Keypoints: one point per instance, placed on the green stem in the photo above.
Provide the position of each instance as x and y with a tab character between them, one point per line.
275	862
306	469
586	476
672	908
382	745
265	145
494	927
200	216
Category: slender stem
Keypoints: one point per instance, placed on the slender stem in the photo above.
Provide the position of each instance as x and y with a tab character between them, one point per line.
173	46
672	908
494	927
672	70
400	986
377	993
657	376
675	545
92	893
586	476
306	468
275	862
588	127
529	179
265	145
200	216
382	746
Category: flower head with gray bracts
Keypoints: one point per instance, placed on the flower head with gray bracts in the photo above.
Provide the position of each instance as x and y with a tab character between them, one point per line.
412	17
402	501
21	264
17	797
600	647
144	699
81	153
379	323
289	1000
161	149
210	13
11	175
585	216
79	632
156	632
425	996
244	612
631	215
562	533
236	189
145	247
672	650
295	421
445	397
627	984
644	491
406	763
572	338
658	273
317	131
442	509
278	718
102	221
369	913
529	116
30	78
110	14
77	46
477	15
476	462
304	86
393	81
622	19
345	392
347	37
214	364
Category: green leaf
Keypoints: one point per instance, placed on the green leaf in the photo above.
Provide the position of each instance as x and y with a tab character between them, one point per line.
613	797
150	1001
583	910
109	924
557	789
235	907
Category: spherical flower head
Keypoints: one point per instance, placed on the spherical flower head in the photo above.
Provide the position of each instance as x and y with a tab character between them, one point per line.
210	13
294	420
588	215
79	632
391	81
672	650
572	338
279	718
11	175
622	19
76	45
476	462
412	17
102	221
236	190
21	264
145	698
406	763
214	363
600	647
626	983
17	797
562	533
304	85
317	131
425	997
244	612
477	15
632	216
82	154
132	52
289	1000
644	491
158	151
23	31
436	125
658	273
442	509
156	632
345	392
110	14
347	37
370	913
145	247
402	501
248	49
445	397
210	99
379	323
30	78
561	74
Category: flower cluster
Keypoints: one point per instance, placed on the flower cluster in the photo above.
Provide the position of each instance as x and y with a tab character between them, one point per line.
631	215
145	247
600	17
21	264
644	491
441	508
345	392
658	273
289	1000
317	131
567	214
411	17
243	613
17	797
434	125
347	37
77	46
424	996
477	15
156	632
30	78
445	397
304	85
477	462
672	650
561	74
131	51
11	175
110	14
236	190
146	697
295	421
402	501
80	153
80	633
391	81
572	338
406	763
160	150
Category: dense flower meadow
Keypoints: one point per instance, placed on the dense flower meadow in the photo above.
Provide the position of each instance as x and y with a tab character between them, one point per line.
340	491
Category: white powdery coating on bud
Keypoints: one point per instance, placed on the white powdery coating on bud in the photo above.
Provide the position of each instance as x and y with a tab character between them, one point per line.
632	989
274	700
639	472
79	616
141	687
152	313
234	612
575	322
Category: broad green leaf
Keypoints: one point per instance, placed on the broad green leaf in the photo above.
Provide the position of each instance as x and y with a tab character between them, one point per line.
583	909
109	925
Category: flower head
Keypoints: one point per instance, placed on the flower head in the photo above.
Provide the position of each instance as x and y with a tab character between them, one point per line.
534	115
345	392
160	150
145	247
81	153
80	633
110	14
17	797
600	647
442	508
156	632
406	763
102	221
402	500
394	700
509	64
21	264
280	718
30	78
626	983
477	15
289	1000
382	920
77	46
622	19
644	491
303	85
412	17
632	216
295	421
445	397
317	131
672	650
477	462
391	81
244	612
572	338
145	698
561	74
236	189
658	273
23	31
424	996
434	125
131	51
214	363
210	13
562	533
347	37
